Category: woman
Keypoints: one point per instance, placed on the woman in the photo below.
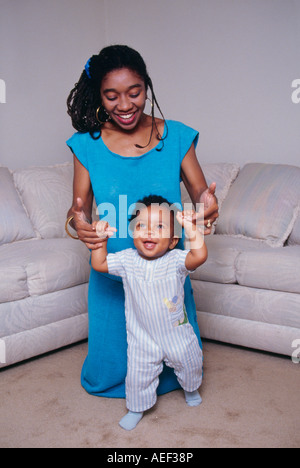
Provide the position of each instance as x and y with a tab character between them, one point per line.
121	155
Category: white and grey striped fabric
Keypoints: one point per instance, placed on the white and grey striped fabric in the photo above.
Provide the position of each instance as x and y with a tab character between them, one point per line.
157	326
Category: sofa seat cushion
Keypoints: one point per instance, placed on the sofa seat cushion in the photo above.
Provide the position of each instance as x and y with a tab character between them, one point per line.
14	222
37	267
13	281
223	253
278	269
294	238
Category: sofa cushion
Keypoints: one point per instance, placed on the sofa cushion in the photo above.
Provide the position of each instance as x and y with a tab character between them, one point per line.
37	267
263	203
13	279
294	238
223	174
264	269
47	195
14	222
219	267
223	253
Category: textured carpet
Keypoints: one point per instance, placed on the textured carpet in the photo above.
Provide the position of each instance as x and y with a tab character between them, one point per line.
250	399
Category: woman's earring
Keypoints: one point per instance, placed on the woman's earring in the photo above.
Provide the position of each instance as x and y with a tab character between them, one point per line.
103	111
151	102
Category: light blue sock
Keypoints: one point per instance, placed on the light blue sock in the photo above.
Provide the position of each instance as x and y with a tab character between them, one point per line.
131	420
193	398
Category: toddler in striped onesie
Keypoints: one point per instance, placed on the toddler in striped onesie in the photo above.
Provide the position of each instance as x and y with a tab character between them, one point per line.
154	274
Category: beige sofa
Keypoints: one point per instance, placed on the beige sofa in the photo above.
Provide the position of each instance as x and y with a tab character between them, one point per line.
43	274
248	292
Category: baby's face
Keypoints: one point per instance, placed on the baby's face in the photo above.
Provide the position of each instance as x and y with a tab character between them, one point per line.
154	232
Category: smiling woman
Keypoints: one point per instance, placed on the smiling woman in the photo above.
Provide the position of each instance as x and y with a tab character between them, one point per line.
86	105
120	153
119	101
123	95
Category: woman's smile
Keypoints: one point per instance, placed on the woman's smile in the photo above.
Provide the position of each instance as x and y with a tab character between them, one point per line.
126	119
123	95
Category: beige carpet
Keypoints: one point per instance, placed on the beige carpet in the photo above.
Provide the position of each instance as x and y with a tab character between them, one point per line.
250	399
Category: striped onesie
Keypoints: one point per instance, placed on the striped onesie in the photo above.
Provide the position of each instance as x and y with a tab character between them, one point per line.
158	330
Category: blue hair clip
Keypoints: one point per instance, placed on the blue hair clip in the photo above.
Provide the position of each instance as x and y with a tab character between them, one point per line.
87	68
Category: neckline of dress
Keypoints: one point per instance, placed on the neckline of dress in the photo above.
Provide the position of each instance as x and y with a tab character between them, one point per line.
134	157
153	261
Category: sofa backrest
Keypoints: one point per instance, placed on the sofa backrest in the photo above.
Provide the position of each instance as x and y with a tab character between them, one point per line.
224	174
34	202
47	194
263	204
14	222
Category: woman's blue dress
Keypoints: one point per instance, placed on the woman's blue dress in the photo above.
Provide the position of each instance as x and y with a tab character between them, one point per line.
118	182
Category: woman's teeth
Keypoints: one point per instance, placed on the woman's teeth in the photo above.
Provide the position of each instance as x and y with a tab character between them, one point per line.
126	117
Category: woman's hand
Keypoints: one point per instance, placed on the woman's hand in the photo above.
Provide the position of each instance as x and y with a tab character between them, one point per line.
195	183
211	207
85	231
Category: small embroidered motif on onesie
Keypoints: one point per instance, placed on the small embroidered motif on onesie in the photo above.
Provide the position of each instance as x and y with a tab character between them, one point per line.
178	312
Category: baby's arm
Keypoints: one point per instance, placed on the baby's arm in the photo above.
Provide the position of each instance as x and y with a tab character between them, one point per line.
198	250
99	256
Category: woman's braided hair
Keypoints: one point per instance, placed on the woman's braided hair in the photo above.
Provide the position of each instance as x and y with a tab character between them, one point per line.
85	99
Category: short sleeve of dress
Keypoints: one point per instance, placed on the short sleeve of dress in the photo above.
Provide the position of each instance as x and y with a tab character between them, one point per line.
78	145
180	258
181	138
187	136
115	263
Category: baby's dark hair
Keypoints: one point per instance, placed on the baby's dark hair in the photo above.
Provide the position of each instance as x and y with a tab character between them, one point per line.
85	99
155	200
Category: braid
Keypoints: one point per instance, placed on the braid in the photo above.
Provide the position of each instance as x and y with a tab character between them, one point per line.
82	104
154	125
85	99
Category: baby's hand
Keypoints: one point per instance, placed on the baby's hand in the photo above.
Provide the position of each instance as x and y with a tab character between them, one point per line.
190	221
104	230
187	220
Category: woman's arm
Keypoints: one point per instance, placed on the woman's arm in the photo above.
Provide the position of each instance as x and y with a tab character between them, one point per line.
196	185
82	207
192	176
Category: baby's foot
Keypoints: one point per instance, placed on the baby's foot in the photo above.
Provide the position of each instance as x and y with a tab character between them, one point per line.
131	420
193	398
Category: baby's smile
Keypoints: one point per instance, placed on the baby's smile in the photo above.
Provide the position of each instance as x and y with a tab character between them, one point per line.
153	233
149	244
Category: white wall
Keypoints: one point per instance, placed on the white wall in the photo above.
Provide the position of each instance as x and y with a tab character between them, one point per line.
224	67
44	46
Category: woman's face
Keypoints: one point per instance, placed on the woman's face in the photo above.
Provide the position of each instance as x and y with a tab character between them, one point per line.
123	95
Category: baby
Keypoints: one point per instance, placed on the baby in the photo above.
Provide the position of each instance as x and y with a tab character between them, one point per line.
157	325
